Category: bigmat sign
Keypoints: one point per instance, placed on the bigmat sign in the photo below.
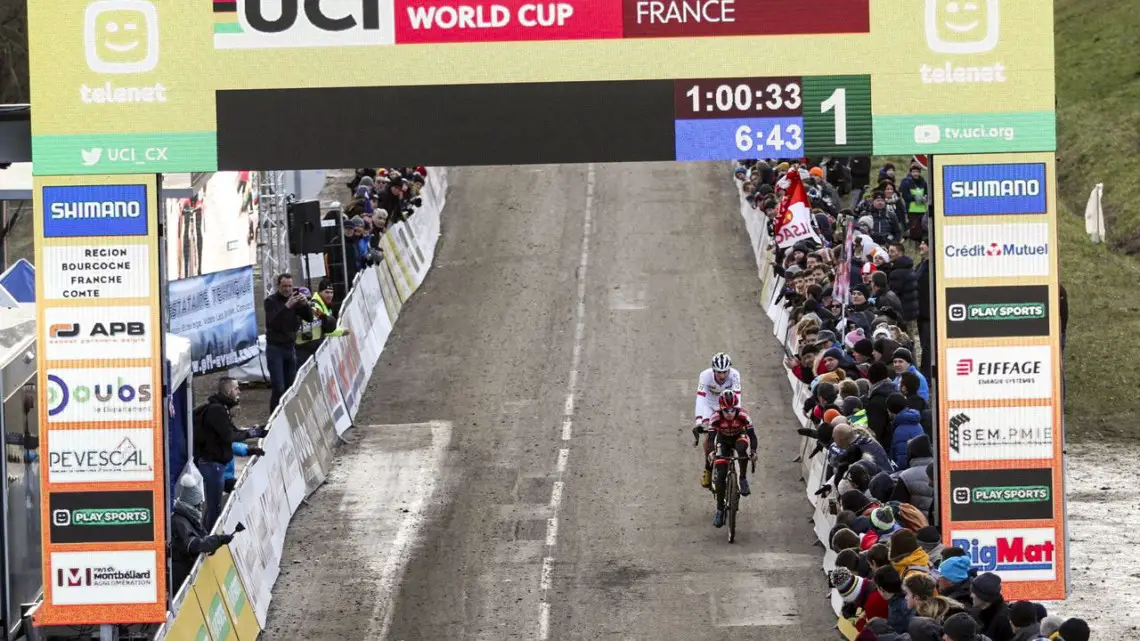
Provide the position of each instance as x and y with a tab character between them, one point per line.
1001	433
101	407
200	85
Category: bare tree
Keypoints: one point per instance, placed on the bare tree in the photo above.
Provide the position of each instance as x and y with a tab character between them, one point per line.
13	51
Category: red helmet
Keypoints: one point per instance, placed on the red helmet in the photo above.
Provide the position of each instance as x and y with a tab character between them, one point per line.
729	400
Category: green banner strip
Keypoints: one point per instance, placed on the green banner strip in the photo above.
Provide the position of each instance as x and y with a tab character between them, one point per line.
77	154
995	132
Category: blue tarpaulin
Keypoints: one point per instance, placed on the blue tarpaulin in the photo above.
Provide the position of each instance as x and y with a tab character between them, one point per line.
20	281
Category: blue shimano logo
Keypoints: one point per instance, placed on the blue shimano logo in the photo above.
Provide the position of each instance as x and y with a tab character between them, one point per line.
98	210
983	190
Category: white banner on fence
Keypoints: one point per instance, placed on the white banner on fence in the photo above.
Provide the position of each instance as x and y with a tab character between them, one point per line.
322	404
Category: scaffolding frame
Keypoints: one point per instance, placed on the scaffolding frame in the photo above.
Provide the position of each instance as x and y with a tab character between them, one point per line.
273	229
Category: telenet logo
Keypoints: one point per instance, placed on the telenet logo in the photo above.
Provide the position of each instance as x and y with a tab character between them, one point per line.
121	37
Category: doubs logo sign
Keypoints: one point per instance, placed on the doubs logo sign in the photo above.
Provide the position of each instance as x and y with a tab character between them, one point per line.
256	24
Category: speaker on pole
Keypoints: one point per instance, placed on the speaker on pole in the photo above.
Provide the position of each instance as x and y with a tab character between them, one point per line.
305	233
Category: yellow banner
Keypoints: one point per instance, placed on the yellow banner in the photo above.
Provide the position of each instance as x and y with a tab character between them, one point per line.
189	624
233	592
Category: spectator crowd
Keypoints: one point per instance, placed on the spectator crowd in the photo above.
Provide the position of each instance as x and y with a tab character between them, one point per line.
860	311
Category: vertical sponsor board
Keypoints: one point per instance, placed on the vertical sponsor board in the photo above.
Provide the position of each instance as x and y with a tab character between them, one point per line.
100	384
1000	431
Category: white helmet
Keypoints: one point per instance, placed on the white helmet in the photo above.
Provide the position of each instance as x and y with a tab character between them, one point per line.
721	362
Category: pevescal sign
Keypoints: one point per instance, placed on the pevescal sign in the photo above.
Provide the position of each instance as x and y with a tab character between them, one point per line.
1001	495
100	456
102	517
997	312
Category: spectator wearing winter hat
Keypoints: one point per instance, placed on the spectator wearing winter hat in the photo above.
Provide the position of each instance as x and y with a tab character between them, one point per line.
906	425
931	540
844	539
990	608
883	523
922	596
1023	618
907	556
954	580
858	445
903	361
1074	630
912	485
853	589
882	487
924	629
878	417
960	627
1050	625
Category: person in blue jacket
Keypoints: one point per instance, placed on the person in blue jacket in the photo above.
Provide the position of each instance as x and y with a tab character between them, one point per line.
240	449
907	425
903	361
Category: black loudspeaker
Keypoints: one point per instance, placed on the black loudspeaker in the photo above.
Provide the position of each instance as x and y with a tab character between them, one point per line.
305	233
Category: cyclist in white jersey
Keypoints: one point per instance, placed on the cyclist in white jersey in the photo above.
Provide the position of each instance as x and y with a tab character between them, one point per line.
714	380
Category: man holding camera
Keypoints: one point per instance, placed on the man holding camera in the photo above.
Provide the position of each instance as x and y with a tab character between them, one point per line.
285	311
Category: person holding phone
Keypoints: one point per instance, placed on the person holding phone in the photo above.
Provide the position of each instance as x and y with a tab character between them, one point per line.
285	311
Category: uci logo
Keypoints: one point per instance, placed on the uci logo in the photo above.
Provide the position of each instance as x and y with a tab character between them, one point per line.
303	23
61	395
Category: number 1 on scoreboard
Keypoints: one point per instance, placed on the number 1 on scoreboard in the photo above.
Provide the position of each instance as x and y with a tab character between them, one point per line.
837	115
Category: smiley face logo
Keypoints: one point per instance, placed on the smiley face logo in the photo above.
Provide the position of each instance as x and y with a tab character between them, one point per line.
121	36
962	26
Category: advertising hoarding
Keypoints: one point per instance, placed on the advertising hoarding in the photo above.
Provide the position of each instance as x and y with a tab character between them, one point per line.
103	508
1000	429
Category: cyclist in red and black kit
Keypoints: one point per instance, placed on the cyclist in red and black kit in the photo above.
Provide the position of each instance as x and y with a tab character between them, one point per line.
734	434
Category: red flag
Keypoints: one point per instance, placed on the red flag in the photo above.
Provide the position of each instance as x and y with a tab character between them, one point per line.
793	193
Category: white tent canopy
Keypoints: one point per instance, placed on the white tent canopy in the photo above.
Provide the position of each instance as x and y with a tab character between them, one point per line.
16	183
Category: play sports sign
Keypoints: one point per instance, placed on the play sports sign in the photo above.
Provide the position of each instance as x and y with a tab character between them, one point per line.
125	87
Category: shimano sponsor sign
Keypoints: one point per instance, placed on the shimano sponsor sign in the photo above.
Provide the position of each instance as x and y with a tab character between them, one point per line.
984	190
97	210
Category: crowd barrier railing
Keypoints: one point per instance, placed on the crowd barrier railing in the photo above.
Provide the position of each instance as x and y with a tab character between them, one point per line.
227	595
811	467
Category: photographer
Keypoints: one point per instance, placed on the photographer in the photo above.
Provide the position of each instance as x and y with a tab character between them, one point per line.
285	310
324	323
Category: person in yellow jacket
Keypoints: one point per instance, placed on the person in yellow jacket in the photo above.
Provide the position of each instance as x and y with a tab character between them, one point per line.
324	323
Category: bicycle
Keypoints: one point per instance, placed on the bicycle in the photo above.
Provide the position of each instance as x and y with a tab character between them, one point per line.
732	487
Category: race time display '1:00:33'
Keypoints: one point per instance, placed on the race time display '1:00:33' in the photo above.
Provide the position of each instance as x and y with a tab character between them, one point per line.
780	117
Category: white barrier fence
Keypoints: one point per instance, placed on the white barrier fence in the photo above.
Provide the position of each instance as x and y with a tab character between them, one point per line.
811	467
307	424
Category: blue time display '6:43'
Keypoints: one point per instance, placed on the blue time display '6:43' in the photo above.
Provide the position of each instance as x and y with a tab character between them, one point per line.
721	139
